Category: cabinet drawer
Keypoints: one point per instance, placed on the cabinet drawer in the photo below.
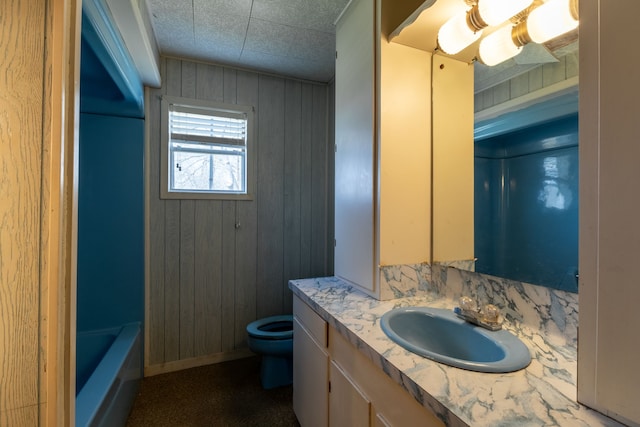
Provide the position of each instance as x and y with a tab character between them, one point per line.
312	322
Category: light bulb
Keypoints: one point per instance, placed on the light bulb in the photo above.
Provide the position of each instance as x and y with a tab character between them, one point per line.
498	47
495	12
551	20
455	35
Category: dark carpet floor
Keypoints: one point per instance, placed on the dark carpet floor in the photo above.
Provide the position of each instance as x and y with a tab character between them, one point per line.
224	394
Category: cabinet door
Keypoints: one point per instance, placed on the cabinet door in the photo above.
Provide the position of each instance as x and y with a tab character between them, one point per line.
310	379
348	407
355	161
380	421
391	404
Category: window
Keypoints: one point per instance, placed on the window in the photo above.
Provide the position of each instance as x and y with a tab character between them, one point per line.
207	150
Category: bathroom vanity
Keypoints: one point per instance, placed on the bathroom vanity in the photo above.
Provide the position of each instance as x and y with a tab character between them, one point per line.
337	385
347	372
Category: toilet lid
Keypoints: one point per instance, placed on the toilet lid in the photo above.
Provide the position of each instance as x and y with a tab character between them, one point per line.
274	327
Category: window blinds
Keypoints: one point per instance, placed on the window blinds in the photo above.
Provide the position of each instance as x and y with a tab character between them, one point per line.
221	127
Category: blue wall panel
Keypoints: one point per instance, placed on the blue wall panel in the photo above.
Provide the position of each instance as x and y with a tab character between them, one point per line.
110	222
109	82
526	207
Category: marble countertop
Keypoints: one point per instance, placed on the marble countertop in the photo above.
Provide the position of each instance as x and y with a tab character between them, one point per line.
543	394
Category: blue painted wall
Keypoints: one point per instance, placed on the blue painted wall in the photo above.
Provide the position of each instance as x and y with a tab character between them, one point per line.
110	222
526	205
109	83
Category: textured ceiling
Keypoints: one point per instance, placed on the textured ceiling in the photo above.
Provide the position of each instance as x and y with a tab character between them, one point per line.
293	38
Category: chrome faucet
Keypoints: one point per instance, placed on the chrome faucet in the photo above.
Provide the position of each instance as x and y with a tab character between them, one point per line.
487	317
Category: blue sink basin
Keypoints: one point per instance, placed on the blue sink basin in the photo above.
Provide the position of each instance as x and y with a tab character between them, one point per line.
438	334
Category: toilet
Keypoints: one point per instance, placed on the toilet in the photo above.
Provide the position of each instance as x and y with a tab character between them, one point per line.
272	338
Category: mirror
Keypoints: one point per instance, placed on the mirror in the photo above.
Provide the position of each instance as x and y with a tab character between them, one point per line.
526	169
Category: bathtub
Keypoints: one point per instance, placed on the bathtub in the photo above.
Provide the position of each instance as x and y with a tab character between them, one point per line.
108	374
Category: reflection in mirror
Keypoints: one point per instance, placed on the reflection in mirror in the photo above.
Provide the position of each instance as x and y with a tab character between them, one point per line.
526	180
526	205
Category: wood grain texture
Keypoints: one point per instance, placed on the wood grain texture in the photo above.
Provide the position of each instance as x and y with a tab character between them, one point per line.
535	79
246	254
228	281
26	416
553	72
187	239
538	78
68	99
171	259
229	221
188	80
22	37
187	273
216	266
319	184
207	277
502	92
172	280
155	304
209	240
57	270
270	195
292	187
306	161
519	85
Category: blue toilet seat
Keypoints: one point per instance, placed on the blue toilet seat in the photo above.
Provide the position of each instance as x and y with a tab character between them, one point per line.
272	328
272	339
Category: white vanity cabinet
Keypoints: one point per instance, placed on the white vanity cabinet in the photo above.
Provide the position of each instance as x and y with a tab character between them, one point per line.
387	402
384	139
382	159
355	162
310	366
348	406
335	385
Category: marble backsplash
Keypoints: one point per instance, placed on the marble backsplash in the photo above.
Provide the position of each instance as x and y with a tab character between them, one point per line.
399	281
522	304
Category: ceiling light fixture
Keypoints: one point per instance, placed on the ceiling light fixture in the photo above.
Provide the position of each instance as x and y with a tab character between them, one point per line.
541	24
463	29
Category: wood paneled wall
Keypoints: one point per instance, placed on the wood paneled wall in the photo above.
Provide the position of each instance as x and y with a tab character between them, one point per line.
39	70
538	78
214	266
21	137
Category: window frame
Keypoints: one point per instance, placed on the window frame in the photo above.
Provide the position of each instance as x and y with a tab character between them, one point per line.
209	108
